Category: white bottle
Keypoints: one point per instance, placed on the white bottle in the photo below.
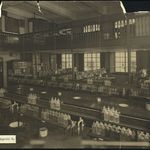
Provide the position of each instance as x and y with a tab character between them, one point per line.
123	92
109	114
93	128
69	117
118	129
61	119
96	127
55	103
52	102
116	117
147	136
123	131
65	120
112	114
100	128
58	104
106	115
105	125
104	112
129	133
141	136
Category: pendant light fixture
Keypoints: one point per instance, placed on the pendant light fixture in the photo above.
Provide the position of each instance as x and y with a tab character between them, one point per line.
38	5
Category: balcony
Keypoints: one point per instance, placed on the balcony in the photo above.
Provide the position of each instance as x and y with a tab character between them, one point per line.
86	40
9	41
114	43
48	41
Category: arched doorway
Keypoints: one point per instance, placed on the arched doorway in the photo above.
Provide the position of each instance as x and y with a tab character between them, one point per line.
1	72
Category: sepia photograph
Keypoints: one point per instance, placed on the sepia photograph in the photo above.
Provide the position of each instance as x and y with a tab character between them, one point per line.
75	74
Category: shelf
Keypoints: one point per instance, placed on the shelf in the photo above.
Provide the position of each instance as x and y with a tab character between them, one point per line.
23	100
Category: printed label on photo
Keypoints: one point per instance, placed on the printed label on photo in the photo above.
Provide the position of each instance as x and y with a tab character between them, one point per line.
7	139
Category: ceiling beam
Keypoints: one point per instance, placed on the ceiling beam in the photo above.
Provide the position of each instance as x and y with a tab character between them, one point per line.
7	4
93	8
59	10
34	10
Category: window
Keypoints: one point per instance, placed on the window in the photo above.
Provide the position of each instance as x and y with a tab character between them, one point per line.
91	28
133	61
119	25
131	21
66	61
106	36
122	23
91	61
121	61
120	28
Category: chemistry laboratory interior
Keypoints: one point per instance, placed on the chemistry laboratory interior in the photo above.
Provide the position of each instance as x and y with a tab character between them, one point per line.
74	74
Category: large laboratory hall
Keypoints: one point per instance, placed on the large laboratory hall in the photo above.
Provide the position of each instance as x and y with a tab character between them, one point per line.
74	74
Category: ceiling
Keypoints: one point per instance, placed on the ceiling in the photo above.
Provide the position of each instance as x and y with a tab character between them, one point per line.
62	11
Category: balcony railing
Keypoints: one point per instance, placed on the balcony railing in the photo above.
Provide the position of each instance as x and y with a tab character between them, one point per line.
52	41
9	41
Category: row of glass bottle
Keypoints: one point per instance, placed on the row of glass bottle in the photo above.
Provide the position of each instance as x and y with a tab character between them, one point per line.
110	114
143	136
123	133
113	131
54	103
134	92
108	90
32	98
60	118
107	82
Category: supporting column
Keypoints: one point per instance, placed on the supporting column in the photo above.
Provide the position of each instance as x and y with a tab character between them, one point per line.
3	23
5	74
129	65
112	62
128	51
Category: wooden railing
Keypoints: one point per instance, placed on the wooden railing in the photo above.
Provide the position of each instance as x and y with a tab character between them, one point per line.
49	41
9	41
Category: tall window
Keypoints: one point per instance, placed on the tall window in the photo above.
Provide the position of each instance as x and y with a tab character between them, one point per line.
120	28
91	61
66	61
133	61
106	36
121	61
91	28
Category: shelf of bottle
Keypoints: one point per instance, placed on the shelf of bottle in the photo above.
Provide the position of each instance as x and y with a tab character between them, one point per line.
49	121
75	113
83	86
